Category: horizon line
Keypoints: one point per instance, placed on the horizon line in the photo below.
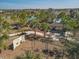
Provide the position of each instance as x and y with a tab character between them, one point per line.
40	8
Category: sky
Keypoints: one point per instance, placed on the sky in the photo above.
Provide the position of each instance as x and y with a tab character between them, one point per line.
43	4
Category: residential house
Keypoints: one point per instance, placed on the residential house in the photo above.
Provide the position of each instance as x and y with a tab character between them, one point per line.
57	20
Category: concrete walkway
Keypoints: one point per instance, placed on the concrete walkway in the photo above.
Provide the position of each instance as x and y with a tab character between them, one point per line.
53	36
28	33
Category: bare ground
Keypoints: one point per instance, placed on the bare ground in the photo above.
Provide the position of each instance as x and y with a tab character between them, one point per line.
27	45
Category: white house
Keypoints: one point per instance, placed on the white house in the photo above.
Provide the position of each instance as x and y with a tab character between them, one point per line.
57	20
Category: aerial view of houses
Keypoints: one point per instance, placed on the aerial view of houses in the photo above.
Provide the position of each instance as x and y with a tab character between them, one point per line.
39	29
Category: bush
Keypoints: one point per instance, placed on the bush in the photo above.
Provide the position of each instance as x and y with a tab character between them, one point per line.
30	55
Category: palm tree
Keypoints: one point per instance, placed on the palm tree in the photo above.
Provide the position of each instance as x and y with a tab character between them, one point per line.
45	28
35	25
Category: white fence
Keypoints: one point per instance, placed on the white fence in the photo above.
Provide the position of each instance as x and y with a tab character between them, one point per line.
18	41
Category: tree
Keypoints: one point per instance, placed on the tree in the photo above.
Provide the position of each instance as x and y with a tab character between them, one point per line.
3	40
72	49
69	23
14	18
35	25
4	29
45	28
5	26
22	18
43	16
61	15
1	20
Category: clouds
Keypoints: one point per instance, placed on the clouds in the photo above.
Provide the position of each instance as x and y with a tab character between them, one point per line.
39	4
